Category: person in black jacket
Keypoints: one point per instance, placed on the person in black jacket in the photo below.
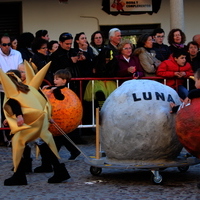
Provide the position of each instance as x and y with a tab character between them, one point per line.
40	57
162	50
64	57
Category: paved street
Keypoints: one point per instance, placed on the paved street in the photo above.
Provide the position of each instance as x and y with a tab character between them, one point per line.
112	184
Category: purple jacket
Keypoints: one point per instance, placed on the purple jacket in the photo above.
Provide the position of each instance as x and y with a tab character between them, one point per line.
124	65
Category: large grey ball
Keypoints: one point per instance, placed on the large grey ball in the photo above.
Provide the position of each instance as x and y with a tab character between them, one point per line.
136	123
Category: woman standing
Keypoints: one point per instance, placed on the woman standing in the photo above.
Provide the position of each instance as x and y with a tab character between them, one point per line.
85	54
40	57
97	42
146	55
176	39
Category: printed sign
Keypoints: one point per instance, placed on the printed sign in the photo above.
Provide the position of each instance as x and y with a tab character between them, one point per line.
130	6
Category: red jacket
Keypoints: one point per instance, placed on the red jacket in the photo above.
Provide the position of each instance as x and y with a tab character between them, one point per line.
167	68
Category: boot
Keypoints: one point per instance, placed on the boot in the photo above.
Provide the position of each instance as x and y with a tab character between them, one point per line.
28	165
60	174
46	164
19	177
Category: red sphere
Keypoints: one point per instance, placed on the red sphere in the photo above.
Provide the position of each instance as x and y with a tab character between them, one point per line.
188	127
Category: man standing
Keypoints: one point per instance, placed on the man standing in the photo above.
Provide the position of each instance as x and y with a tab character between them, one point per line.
162	50
9	58
64	57
114	40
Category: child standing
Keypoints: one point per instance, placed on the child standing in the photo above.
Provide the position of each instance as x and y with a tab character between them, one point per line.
61	78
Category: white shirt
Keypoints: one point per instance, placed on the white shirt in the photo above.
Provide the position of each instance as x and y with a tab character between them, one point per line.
11	61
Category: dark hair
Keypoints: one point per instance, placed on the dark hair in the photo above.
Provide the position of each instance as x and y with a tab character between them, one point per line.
171	36
193	43
93	36
179	52
20	86
5	35
197	73
77	38
51	43
15	71
158	30
142	39
25	40
37	44
12	38
64	74
65	36
41	33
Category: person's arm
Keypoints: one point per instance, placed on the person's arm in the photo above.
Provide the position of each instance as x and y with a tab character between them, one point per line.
16	109
163	71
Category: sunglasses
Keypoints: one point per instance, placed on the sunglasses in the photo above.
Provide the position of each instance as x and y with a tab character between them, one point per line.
6	44
67	36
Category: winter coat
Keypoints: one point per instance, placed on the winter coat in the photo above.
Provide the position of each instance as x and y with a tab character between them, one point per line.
167	68
124	65
148	60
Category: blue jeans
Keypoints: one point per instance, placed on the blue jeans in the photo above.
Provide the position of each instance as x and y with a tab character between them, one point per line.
182	92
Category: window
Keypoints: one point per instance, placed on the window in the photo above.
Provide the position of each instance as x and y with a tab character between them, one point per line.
11	18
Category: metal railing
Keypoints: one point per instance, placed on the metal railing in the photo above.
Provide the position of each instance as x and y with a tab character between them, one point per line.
118	80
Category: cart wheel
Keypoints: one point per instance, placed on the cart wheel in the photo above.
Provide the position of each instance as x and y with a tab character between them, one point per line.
158	180
183	168
95	171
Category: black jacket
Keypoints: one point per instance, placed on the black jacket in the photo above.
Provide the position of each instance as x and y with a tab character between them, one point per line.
61	59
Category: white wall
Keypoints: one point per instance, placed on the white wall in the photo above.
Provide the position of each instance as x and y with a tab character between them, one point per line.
58	18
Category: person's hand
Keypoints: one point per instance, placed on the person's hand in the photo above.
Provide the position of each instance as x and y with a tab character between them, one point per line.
132	69
20	120
51	121
172	104
45	86
182	74
186	101
52	89
74	59
178	74
5	122
81	57
84	46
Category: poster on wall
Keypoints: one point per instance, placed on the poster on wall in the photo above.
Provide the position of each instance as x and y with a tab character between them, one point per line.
130	6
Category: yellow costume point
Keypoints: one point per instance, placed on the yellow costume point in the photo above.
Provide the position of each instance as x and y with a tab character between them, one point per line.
36	113
29	72
192	77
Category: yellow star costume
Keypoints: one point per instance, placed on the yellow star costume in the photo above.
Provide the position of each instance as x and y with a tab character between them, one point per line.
36	113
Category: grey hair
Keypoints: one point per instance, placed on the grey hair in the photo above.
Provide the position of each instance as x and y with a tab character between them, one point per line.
112	32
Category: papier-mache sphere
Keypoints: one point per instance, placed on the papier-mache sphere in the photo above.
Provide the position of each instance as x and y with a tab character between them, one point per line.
67	113
188	127
136	123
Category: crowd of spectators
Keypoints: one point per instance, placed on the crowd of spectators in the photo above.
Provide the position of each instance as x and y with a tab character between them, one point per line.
99	58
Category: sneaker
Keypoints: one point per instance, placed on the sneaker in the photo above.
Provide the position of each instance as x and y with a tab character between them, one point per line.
74	155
